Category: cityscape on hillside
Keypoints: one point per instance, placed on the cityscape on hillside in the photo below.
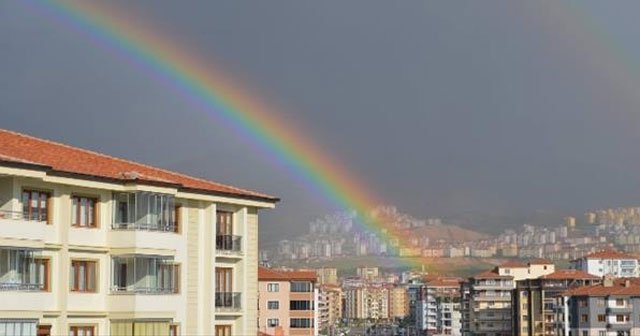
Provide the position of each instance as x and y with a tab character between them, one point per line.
338	235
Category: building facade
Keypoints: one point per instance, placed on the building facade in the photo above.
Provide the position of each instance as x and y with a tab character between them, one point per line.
329	307
439	307
608	262
94	245
611	308
287	302
535	300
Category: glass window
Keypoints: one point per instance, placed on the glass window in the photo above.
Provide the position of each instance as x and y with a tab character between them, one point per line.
273	304
21	270
35	205
83	276
301	286
301	323
18	327
300	305
274	322
144	211
273	287
82	331
83	212
144	274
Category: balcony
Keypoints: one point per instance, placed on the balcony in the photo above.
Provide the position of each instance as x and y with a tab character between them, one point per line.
30	231
228	301
22	216
620	326
229	245
620	309
144	275
20	270
168	227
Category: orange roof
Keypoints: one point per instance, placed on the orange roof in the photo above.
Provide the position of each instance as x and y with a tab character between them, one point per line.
608	254
491	275
444	282
513	264
540	261
62	160
618	288
569	274
271	274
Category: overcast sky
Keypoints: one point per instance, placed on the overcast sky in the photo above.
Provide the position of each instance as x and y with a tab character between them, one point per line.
442	107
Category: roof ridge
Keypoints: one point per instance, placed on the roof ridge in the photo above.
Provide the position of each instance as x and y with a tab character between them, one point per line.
88	151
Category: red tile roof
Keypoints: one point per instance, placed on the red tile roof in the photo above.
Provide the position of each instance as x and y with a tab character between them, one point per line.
569	274
513	264
59	159
491	275
282	275
540	261
625	287
444	282
608	254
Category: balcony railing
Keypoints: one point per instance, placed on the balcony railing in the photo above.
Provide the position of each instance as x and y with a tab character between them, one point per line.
144	227
20	215
228	301
144	290
229	244
21	286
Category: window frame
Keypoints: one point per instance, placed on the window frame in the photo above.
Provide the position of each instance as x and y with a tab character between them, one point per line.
75	276
74	330
78	212
276	302
47	209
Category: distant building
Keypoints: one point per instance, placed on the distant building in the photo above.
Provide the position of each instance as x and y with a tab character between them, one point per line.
398	302
368	273
535	300
608	262
366	302
327	276
489	304
286	302
329	307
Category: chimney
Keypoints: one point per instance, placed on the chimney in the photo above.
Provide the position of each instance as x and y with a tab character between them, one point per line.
607	281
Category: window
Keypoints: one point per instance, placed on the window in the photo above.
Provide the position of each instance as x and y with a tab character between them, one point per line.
83	276
584	318
301	287
619	302
144	211
582	302
35	205
601	318
224	223
273	305
622	318
273	287
274	322
145	274
585	333
602	333
83	212
18	327
300	305
82	331
22	270
173	330
301	323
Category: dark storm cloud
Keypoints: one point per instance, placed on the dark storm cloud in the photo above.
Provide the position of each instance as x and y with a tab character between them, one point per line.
443	107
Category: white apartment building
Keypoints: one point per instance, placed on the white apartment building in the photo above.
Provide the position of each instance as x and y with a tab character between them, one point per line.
438	311
95	245
608	262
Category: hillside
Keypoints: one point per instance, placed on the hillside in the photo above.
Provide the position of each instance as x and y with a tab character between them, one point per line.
452	233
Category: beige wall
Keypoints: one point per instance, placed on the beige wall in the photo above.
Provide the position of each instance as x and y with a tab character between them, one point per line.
193	248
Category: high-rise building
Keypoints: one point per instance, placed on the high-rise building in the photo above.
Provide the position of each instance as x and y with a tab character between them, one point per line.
398	302
95	245
329	308
327	276
439	308
535	300
287	302
366	302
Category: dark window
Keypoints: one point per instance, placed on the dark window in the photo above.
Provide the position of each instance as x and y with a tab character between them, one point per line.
83	212
83	276
301	323
301	287
300	305
35	205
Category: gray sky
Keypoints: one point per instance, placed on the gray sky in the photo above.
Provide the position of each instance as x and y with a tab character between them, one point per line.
442	107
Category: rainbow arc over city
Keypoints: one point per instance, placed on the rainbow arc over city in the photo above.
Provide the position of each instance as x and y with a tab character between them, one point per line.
205	85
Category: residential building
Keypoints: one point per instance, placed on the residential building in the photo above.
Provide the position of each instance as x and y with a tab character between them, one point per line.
329	307
368	273
490	304
608	262
526	270
439	308
370	301
327	276
95	245
609	308
534	300
287	302
398	302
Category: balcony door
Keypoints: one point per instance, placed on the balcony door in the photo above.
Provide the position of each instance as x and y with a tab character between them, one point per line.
224	280
223	330
224	223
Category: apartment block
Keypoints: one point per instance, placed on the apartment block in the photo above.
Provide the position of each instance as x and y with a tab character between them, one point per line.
606	309
95	245
439	307
329	307
327	276
608	262
398	302
535	301
287	302
366	302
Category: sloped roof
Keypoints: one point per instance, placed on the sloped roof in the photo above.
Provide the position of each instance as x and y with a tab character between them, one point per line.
569	274
608	254
622	287
491	275
54	158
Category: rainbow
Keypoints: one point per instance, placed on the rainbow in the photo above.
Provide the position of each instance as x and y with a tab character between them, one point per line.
206	86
